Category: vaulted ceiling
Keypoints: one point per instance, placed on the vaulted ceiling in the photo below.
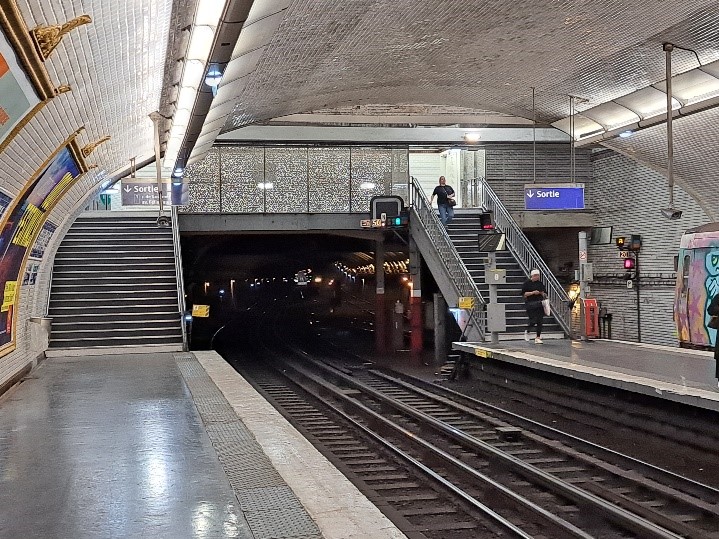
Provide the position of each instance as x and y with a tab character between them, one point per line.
474	61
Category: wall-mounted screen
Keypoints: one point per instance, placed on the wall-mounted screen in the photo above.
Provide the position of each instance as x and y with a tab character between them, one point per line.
601	235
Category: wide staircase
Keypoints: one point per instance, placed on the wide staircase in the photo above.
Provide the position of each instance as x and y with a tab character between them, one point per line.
114	286
463	231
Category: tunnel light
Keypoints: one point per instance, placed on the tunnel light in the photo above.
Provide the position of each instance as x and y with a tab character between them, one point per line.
265	185
367	185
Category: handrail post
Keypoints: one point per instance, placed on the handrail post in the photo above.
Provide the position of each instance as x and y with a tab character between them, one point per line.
179	278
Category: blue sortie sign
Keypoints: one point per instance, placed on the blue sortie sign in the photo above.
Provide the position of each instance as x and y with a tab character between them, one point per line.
554	198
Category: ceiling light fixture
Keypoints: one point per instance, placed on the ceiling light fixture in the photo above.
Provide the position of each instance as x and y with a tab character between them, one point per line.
472	137
367	186
626	134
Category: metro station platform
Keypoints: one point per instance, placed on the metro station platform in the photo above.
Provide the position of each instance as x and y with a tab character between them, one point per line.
675	374
164	445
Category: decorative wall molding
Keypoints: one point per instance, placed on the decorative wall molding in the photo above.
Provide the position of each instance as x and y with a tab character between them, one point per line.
89	148
46	38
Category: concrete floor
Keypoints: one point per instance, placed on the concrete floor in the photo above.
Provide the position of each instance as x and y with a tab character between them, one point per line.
110	447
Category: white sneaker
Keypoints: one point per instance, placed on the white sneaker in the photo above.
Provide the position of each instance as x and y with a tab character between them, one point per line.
538	341
526	335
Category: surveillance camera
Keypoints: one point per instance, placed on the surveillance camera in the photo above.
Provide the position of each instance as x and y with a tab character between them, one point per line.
671	213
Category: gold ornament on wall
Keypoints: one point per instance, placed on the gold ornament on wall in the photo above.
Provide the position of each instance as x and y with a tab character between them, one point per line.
48	37
89	148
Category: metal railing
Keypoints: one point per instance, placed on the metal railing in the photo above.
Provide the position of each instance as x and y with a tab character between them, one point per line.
526	255
457	271
178	275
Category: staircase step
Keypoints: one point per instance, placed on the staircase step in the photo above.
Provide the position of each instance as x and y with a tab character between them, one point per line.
154	331
116	341
115	308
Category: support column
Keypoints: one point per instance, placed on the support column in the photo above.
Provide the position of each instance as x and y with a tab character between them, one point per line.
440	329
415	300
380	315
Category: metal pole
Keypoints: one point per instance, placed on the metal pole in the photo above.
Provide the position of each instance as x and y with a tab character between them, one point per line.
668	47
582	282
156	117
534	138
639	308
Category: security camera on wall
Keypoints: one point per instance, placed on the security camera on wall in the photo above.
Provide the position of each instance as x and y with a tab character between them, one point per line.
671	213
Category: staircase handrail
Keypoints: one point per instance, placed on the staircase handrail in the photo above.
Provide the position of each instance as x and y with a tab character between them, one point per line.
178	274
526	255
439	237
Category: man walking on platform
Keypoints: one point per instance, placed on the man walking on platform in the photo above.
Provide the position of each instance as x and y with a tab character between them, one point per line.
534	292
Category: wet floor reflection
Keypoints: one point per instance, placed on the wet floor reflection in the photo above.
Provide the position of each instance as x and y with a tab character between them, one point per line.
110	447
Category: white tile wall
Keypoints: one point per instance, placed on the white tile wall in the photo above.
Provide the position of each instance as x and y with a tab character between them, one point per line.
629	197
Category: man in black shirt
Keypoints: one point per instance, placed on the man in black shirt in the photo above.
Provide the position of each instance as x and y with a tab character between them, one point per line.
445	200
534	292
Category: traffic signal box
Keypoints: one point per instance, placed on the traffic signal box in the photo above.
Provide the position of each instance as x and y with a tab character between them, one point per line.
389	210
486	221
400	221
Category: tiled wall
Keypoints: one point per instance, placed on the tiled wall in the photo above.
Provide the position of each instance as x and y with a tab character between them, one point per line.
629	199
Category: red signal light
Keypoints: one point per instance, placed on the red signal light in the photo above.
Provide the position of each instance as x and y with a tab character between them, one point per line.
628	263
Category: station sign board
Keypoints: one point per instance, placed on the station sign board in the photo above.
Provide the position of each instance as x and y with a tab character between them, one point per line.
568	196
143	192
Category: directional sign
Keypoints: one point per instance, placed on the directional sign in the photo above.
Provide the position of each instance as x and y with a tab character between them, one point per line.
139	192
554	197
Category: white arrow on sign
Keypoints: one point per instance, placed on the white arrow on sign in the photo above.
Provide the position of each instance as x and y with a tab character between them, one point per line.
127	188
530	194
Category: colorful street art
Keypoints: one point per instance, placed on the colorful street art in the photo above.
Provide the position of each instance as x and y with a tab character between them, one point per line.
697	283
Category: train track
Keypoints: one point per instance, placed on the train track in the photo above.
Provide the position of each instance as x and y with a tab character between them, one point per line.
498	470
600	412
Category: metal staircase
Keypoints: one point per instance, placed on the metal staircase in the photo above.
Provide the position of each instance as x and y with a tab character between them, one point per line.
114	285
452	255
463	231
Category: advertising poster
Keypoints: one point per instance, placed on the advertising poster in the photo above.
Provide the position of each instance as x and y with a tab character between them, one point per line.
43	239
17	96
20	229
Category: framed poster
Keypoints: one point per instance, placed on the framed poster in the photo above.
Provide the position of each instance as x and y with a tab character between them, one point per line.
22	224
17	96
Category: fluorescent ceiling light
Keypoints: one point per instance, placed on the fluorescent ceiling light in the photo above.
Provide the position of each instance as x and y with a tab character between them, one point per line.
192	75
187	98
181	118
472	137
200	43
367	185
268	185
209	12
626	134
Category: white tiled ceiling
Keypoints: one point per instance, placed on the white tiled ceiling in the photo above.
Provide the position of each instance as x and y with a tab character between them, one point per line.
115	67
328	57
477	54
696	139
